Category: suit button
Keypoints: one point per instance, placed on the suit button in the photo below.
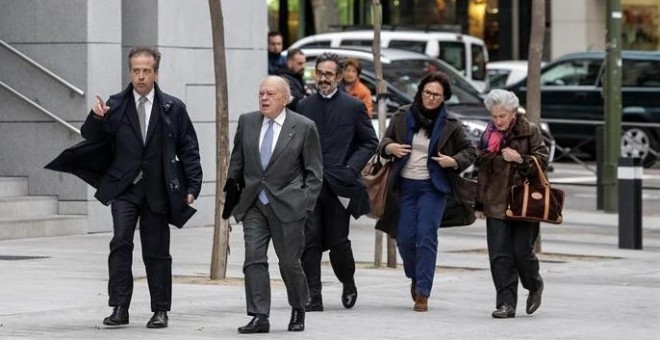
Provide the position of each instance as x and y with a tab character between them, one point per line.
263	178
172	160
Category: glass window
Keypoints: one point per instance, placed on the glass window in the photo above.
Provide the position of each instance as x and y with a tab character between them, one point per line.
322	43
416	46
355	42
640	73
478	62
583	72
454	54
497	78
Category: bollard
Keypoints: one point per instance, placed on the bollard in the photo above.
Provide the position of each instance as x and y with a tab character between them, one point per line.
600	158
630	202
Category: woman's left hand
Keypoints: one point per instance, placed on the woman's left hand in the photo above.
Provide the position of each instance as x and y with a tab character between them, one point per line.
511	155
445	161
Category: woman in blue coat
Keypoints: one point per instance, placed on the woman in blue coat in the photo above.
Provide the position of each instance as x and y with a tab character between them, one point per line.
430	149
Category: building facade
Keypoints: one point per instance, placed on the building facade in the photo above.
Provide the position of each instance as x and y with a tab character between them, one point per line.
85	43
571	25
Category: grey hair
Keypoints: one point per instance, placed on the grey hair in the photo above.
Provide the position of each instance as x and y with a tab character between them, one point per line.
506	99
283	83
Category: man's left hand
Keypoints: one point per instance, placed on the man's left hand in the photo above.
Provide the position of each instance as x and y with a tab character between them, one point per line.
190	199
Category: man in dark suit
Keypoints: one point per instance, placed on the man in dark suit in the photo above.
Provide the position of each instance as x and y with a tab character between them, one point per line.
277	160
142	155
348	140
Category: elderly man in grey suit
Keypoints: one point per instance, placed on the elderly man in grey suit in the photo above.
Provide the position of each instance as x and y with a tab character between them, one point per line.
277	162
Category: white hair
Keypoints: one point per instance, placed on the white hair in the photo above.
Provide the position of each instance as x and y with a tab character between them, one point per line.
506	99
283	84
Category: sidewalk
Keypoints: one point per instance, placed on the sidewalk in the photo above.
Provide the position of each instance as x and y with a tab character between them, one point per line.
593	290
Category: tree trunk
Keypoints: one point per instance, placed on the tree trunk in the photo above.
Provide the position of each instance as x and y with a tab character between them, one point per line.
534	61
381	94
326	13
221	228
380	90
534	73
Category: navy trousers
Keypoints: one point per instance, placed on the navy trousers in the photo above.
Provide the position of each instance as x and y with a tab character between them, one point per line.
422	207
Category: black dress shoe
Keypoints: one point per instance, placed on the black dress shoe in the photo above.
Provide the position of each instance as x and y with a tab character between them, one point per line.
504	312
534	300
258	324
314	305
297	322
349	295
158	320
118	317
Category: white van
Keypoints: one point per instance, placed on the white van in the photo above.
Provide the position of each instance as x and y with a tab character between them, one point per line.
466	53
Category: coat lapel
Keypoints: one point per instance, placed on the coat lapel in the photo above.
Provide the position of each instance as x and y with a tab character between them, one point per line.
286	134
154	119
255	125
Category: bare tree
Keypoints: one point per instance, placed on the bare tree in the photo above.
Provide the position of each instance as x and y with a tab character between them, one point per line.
534	57
221	227
326	14
380	91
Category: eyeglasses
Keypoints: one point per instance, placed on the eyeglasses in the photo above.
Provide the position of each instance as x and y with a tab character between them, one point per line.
328	75
432	95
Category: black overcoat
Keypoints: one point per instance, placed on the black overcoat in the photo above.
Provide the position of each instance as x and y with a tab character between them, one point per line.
90	159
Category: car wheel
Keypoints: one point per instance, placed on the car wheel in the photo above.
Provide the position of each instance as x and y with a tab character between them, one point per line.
638	142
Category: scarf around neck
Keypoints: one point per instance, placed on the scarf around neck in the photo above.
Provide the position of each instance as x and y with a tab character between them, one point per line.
492	138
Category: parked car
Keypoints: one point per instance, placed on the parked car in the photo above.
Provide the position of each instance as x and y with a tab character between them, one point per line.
402	72
572	101
504	73
466	53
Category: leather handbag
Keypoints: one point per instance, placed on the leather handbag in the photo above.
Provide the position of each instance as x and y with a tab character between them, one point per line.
375	176
535	200
459	210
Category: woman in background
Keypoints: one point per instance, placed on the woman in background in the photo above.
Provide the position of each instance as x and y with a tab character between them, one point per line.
353	86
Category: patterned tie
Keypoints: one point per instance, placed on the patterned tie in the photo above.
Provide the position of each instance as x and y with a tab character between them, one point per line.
142	116
266	146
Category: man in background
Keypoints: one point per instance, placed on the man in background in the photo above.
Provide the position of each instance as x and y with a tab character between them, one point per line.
275	58
293	73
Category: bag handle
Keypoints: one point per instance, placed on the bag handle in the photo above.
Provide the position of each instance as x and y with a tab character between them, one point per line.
544	180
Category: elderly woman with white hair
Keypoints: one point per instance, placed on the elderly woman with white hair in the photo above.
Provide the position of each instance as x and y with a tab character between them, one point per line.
507	145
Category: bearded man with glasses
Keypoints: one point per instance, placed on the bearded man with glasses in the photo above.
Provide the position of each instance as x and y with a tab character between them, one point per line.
348	140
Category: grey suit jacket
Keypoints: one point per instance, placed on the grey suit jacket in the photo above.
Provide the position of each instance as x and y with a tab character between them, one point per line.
294	175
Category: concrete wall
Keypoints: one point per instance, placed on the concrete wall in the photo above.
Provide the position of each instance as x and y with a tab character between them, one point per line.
86	43
577	26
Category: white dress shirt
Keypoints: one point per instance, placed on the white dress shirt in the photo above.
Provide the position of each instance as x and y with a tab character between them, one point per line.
277	128
148	105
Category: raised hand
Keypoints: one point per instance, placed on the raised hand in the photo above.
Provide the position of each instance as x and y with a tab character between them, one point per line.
99	108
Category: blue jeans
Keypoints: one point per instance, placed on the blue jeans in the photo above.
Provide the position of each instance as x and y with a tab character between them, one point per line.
422	207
